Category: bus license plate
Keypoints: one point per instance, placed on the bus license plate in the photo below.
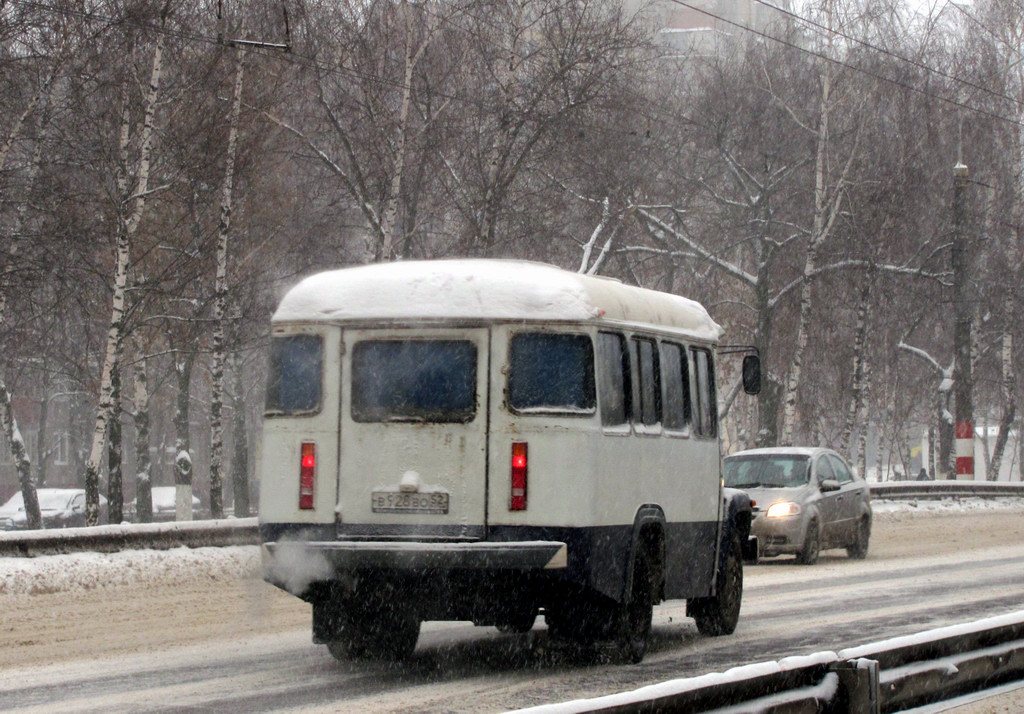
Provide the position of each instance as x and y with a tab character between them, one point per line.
406	502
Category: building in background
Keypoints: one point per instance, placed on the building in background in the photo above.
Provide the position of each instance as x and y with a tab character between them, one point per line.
702	25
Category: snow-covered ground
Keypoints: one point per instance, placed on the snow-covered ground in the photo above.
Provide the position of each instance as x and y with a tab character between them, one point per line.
880	507
59	573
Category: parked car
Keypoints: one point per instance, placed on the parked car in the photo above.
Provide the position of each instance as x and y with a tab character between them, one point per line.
805	500
59	507
163	505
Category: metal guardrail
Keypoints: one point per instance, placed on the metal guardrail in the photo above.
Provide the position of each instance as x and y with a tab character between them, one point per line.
888	676
127	536
244	531
902	490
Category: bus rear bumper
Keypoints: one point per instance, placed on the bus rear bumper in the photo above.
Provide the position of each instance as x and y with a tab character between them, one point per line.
292	565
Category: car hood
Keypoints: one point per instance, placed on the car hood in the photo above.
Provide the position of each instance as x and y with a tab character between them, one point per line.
764	497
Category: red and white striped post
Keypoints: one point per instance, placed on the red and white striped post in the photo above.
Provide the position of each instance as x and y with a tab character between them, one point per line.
965	450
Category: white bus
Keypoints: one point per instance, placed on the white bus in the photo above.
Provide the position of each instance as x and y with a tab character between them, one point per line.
489	440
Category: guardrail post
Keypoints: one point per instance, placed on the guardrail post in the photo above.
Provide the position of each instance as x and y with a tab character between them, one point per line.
858	686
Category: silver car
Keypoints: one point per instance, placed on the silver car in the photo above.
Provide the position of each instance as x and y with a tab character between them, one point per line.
805	500
59	508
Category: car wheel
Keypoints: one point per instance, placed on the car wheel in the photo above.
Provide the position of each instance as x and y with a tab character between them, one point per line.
859	549
718	615
812	546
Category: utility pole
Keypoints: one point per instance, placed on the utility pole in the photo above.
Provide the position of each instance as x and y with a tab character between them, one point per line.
962	312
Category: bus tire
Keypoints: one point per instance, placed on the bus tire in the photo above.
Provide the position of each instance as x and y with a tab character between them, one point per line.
718	615
632	619
517	621
382	635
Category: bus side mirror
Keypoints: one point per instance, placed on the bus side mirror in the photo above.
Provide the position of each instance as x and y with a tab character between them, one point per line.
752	374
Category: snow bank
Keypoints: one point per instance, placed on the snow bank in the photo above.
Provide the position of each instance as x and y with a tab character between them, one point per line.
59	573
948	505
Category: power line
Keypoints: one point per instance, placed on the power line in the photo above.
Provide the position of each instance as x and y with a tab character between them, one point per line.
982	25
313	63
862	70
882	50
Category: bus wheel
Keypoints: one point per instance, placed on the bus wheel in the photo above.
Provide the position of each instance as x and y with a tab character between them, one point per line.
717	615
518	621
632	623
382	635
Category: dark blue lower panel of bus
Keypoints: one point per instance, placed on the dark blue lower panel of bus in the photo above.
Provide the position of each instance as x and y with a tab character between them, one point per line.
595	558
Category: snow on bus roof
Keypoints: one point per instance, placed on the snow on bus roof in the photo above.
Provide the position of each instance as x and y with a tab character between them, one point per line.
489	289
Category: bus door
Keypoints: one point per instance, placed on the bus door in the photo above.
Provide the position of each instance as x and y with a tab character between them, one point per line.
413	433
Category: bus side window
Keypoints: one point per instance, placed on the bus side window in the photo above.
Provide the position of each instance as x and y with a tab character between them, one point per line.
614	382
676	380
707	404
649	382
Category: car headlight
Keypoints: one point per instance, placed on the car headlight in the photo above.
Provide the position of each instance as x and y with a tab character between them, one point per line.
783	509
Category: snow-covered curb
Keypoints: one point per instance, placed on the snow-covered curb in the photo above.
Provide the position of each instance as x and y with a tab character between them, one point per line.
970	504
59	573
124	536
131	529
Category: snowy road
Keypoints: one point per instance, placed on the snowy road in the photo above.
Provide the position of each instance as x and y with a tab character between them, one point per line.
216	646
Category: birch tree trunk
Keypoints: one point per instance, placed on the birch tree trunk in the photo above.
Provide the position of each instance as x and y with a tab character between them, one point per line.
946	467
220	299
240	462
115	489
859	356
143	464
862	419
182	441
1008	388
21	460
818	235
42	436
826	210
387	247
125	233
768	404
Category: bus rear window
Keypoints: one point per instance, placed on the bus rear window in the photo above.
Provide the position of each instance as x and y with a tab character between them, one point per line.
414	381
296	368
551	373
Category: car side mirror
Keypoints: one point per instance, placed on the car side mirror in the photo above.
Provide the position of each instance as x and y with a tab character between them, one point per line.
829	484
752	374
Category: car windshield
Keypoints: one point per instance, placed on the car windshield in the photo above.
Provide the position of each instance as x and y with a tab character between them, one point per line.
766	471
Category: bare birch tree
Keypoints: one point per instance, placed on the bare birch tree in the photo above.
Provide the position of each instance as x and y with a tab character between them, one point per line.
127	227
221	295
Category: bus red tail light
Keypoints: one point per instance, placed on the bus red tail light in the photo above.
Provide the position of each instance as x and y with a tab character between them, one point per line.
517	496
307	476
